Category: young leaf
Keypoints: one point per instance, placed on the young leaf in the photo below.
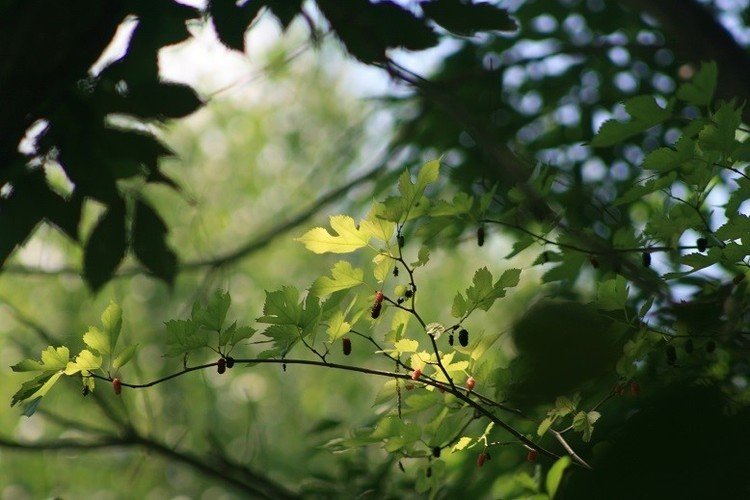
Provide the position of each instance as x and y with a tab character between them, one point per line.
337	327
644	113
86	361
124	356
555	474
183	336
213	316
612	294
52	359
112	323
344	276
97	340
347	239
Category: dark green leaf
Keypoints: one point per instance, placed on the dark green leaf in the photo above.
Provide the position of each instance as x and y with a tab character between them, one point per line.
150	245
468	18
106	247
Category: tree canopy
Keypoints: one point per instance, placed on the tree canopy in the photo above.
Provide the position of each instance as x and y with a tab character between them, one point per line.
534	289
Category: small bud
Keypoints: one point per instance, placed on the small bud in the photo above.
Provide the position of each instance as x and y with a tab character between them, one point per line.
470	383
646	259
85	391
416	374
400	300
221	365
480	235
117	385
347	346
408	293
436	451
481	459
463	337
450	338
671	354
401	466
594	261
689	346
702	244
395	272
710	346
635	388
532	455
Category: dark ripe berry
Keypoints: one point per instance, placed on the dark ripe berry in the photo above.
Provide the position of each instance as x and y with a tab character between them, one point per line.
531	456
738	279
702	244
646	259
463	337
401	240
409	293
671	354
470	383
480	235
376	310
594	261
230	361
347	345
436	451
283	366
221	365
710	346
395	272
450	339
400	300
635	388
481	459
379	297
85	391
689	346
416	374
117	385
428	472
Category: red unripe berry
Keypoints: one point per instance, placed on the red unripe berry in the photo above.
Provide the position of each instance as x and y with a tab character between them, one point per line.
379	297
470	383
347	344
416	374
531	456
221	366
635	388
117	385
481	459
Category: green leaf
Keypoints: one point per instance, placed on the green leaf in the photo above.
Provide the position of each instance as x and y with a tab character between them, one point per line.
97	340
183	336
700	90
282	307
612	294
555	474
105	248
405	345
584	422
639	191
460	306
337	327
344	276
85	361
236	334
544	426
378	227
149	241
112	323
347	238
52	359
124	357
666	159
215	312
720	135
644	112
30	387
467	18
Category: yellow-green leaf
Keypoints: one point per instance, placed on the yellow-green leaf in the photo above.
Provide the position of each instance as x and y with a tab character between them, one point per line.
124	356
343	276
85	361
347	237
337	327
97	340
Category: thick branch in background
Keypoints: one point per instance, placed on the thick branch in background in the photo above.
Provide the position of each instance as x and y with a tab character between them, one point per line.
696	35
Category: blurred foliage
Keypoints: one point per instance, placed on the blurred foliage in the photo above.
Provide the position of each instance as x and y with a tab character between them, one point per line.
629	233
